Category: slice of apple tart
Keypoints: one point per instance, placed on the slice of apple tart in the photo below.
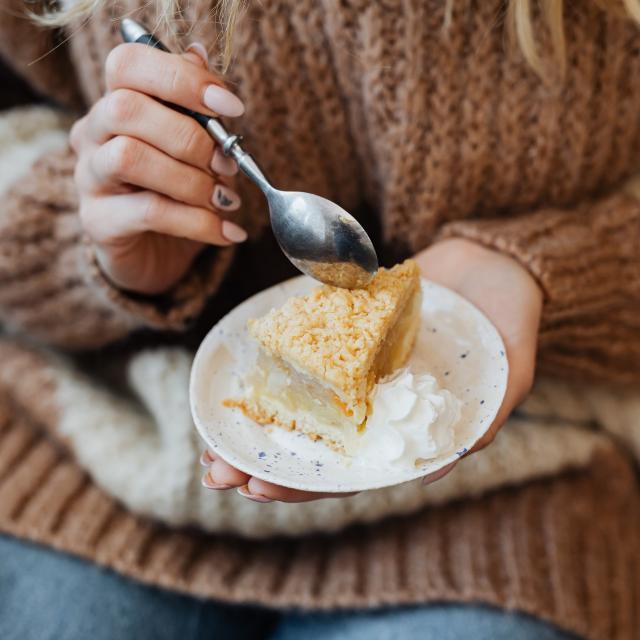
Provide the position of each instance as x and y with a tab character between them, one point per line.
321	355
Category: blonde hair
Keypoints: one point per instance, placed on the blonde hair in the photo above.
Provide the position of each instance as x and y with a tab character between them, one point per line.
519	24
227	13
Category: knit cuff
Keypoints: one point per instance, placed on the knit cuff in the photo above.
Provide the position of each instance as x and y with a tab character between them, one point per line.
587	262
51	286
174	309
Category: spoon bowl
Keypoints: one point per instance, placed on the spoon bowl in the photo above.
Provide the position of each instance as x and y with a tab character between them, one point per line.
322	239
319	237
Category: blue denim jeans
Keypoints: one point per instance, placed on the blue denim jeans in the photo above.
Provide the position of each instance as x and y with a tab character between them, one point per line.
46	595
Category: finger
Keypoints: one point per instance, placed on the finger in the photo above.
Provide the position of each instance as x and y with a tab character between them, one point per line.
207	457
77	134
521	373
169	77
109	219
485	440
503	413
83	175
511	399
127	160
209	482
436	475
124	112
222	475
263	491
96	176
223	165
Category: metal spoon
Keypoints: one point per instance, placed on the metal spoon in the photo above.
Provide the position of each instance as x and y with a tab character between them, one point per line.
319	237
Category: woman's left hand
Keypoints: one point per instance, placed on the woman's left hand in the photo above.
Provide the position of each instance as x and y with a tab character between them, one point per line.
507	294
495	283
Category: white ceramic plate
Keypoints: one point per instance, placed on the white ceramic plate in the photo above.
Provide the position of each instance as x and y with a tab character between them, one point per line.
457	344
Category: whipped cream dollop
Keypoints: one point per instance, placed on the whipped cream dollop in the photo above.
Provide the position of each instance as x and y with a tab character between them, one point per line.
412	418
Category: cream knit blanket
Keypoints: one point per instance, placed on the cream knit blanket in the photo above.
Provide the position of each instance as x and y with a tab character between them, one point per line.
148	455
146	452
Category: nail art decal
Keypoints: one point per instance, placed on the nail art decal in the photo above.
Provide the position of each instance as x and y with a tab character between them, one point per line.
225	198
223	165
223	201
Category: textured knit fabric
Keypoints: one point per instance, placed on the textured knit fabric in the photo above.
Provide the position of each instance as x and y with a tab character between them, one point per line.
101	605
565	549
52	288
378	102
439	132
150	462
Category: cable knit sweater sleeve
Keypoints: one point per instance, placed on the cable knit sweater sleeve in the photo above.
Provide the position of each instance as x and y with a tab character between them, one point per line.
50	285
51	288
587	261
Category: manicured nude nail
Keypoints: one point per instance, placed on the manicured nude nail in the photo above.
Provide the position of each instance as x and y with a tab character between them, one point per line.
225	198
256	497
205	458
210	483
222	101
223	165
233	232
200	51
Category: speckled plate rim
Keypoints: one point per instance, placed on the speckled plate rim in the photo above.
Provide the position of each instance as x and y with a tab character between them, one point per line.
255	466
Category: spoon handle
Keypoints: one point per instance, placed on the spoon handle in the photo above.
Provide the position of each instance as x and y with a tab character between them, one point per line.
132	31
230	145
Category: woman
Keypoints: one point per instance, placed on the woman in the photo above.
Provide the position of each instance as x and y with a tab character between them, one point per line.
500	168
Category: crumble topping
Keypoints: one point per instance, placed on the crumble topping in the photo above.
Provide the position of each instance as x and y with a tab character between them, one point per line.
334	334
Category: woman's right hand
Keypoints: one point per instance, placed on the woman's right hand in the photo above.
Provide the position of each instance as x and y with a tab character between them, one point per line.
151	182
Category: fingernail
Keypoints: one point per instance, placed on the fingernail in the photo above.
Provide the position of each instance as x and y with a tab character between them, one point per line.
222	101
233	232
225	198
223	165
210	483
205	458
256	497
199	49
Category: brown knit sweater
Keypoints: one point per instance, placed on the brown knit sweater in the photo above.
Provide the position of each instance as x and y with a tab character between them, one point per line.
430	133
